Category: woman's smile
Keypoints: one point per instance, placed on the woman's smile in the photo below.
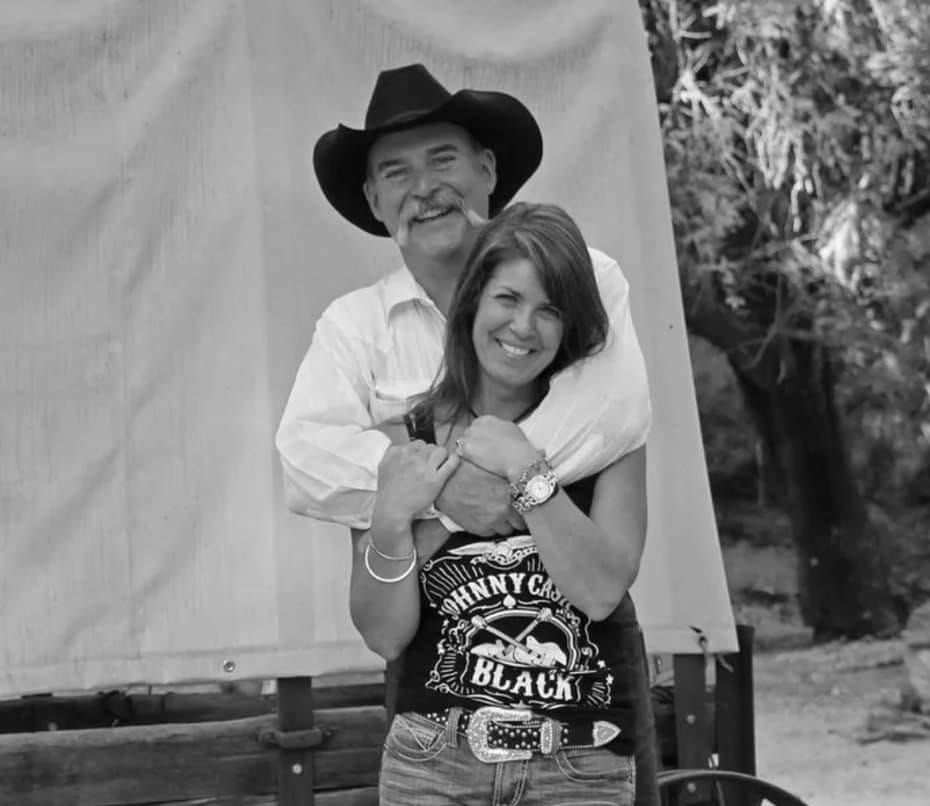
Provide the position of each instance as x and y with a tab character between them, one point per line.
513	350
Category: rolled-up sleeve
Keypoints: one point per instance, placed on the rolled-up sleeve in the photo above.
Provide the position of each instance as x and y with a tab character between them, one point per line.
599	409
329	457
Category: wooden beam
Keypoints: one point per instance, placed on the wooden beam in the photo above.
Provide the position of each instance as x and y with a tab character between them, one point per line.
105	710
178	762
33	714
367	796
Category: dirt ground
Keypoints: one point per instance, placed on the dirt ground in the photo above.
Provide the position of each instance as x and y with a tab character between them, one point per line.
812	707
813	702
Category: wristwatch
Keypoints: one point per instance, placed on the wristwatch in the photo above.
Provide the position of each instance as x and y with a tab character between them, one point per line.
536	485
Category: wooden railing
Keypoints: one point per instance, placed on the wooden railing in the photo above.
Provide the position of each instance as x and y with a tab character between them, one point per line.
317	744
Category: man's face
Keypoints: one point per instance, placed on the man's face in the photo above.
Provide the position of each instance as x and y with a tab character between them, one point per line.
421	181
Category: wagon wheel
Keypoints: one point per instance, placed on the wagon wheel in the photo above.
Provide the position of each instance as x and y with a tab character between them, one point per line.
725	788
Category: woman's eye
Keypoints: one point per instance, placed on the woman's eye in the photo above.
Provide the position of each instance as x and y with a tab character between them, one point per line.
505	298
551	311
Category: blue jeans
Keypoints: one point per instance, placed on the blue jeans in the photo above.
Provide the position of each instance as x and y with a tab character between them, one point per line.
427	764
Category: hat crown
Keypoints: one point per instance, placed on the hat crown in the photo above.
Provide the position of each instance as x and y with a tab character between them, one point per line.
403	93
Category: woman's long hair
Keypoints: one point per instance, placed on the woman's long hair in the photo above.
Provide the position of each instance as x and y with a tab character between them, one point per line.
548	238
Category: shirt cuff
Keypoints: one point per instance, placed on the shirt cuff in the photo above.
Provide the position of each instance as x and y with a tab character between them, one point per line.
449	524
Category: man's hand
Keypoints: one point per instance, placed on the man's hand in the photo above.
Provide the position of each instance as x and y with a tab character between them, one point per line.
479	502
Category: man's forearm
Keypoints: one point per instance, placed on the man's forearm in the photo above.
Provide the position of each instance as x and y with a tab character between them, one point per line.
587	432
331	473
597	410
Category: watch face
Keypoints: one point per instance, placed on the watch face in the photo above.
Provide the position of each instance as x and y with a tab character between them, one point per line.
539	488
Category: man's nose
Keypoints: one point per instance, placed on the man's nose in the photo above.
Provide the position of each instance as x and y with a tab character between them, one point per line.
424	183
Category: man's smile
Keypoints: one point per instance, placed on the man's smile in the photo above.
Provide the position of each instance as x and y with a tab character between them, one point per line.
432	214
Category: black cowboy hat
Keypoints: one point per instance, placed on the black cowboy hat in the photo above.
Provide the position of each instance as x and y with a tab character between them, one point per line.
409	96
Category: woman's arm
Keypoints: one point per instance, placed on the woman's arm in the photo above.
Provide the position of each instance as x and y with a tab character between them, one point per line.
387	613
594	560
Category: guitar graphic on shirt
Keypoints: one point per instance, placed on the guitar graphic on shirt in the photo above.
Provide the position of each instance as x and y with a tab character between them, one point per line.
522	650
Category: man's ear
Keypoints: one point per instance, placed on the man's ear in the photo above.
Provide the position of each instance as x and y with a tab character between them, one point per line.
489	167
371	196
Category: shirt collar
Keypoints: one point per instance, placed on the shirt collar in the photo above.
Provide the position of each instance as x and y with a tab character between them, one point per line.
401	287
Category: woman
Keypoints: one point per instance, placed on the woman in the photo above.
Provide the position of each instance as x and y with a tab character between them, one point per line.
522	655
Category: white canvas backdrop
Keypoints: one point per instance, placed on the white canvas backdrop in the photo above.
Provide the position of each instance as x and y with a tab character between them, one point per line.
164	253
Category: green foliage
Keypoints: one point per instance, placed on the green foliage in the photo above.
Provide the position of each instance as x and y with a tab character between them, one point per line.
797	137
729	437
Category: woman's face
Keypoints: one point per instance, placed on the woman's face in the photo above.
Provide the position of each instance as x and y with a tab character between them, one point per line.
517	330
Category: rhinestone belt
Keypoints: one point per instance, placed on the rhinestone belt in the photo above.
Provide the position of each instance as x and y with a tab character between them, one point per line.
514	734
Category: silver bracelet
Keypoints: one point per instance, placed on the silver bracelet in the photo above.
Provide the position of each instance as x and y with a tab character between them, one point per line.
383	556
389	580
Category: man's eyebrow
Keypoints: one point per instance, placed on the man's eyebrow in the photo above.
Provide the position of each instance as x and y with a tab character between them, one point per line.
383	165
438	149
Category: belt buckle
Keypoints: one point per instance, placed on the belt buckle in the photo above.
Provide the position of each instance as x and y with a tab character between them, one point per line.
477	734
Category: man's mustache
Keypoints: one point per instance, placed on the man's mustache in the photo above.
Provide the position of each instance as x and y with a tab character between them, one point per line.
444	197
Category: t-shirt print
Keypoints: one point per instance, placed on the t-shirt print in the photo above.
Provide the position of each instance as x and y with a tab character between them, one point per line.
508	635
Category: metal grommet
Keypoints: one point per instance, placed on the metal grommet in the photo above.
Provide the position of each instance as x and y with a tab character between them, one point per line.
229	666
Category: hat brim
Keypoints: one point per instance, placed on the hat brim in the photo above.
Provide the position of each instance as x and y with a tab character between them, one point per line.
496	120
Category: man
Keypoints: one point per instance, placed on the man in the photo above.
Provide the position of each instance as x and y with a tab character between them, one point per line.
425	169
428	167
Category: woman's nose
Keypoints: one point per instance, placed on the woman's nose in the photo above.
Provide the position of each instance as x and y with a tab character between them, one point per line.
522	322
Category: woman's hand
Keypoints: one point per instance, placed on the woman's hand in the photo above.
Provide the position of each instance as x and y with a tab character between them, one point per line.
498	446
409	479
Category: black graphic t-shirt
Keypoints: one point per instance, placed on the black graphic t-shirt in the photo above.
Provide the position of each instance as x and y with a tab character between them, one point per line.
495	630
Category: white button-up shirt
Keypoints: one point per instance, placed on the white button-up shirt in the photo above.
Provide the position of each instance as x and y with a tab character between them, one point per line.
375	349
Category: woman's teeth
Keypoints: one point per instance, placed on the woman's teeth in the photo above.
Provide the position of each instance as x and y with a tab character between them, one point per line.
515	352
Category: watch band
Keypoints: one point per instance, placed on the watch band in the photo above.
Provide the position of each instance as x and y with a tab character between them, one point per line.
536	485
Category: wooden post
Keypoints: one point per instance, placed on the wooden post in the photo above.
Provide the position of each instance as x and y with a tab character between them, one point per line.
295	767
735	715
693	734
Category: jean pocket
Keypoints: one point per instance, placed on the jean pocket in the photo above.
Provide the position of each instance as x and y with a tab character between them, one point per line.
415	738
596	765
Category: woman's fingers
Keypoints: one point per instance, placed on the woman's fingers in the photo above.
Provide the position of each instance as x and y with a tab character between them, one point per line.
436	456
448	467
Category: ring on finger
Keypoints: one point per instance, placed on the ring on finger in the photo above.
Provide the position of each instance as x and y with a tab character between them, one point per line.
460	444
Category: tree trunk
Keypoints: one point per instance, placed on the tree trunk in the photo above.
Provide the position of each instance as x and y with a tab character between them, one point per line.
788	383
842	557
